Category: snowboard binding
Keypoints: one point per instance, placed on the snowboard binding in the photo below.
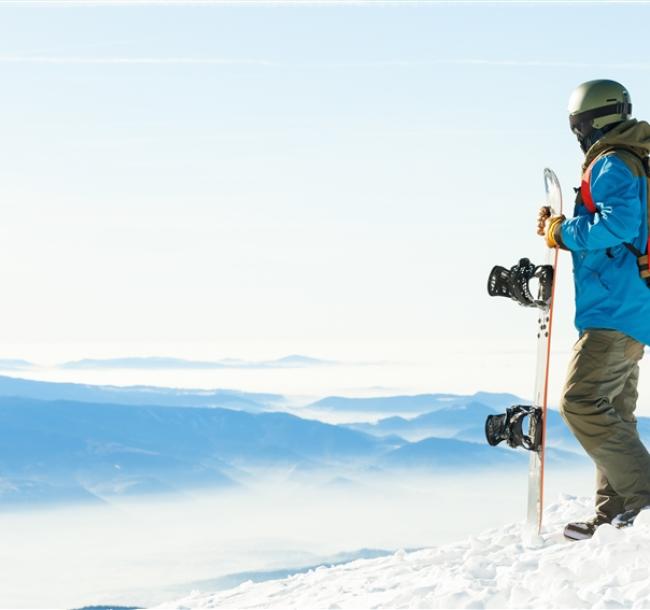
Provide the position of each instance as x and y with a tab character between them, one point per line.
514	283
509	427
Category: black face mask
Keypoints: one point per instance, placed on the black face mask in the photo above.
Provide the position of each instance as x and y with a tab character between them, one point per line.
588	136
582	124
588	140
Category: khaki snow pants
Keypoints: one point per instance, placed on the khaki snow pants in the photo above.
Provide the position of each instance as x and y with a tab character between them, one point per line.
598	403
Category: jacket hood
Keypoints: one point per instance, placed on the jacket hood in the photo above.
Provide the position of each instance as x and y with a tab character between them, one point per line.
632	135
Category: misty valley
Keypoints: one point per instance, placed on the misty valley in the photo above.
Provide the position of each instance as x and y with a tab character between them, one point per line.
187	490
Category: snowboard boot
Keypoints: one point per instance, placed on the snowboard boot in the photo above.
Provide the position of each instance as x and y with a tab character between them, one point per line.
581	530
627	518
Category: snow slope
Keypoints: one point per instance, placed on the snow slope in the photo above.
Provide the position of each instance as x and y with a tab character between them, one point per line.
493	570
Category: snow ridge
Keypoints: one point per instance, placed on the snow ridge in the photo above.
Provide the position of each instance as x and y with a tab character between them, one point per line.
496	569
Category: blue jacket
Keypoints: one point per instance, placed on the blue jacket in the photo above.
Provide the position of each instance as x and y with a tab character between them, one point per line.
609	292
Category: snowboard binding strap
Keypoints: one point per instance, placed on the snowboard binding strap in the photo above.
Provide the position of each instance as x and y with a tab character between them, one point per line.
514	283
509	427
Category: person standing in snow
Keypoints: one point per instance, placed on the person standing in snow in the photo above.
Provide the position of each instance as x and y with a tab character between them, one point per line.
608	240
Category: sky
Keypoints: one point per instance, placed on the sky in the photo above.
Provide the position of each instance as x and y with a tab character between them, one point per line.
254	179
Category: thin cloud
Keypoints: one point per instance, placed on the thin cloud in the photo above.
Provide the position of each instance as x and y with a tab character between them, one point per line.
43	59
517	63
219	61
512	63
397	3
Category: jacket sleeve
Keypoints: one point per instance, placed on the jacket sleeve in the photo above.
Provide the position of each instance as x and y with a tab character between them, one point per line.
615	192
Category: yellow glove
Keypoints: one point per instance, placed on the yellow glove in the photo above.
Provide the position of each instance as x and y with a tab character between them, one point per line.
550	227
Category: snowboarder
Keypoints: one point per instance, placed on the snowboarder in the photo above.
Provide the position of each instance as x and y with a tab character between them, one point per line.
608	240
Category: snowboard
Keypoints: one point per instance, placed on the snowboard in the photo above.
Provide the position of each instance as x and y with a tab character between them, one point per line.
524	426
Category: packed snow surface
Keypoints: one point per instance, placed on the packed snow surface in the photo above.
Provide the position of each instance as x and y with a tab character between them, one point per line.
497	569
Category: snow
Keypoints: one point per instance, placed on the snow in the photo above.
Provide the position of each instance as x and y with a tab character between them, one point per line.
496	569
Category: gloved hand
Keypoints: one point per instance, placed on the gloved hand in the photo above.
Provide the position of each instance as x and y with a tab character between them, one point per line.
549	226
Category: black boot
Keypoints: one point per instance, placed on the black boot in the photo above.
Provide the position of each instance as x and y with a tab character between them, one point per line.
627	518
581	530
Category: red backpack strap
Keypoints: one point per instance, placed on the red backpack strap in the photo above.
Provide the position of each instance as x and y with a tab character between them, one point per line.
643	260
585	188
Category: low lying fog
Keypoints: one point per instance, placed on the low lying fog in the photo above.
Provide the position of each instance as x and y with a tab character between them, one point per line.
146	551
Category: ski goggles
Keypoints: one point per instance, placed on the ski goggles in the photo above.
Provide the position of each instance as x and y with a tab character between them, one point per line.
582	123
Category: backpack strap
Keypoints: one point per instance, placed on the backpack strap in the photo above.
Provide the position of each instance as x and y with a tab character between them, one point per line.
585	188
630	158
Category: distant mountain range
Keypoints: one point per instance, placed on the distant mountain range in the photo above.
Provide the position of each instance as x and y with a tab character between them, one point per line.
464	420
157	362
448	454
109	449
417	404
71	442
9	364
139	395
455	419
170	363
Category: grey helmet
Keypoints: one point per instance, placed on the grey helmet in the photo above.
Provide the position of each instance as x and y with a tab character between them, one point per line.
595	107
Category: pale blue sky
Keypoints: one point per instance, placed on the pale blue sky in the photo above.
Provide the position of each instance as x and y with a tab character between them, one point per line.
258	180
